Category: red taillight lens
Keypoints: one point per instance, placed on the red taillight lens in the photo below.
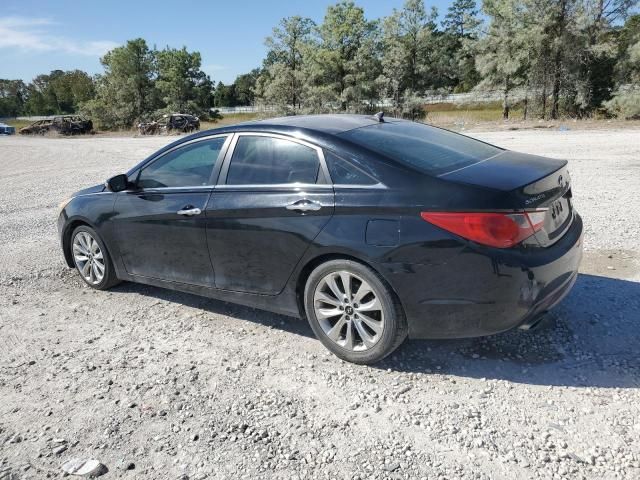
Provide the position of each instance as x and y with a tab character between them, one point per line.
501	230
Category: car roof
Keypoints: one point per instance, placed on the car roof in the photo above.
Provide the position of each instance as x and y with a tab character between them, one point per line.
328	123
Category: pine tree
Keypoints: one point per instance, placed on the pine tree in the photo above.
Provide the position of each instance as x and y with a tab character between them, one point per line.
337	73
503	59
456	56
408	58
125	93
283	81
462	19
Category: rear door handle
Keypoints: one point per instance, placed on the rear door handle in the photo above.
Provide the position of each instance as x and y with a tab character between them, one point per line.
189	211
304	205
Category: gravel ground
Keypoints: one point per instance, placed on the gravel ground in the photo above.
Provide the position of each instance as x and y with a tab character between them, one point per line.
163	385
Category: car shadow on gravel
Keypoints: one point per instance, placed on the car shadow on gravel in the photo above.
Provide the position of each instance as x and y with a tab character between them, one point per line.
590	340
219	307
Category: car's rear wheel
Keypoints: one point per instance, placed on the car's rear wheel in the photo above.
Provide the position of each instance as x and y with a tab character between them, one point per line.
92	259
353	312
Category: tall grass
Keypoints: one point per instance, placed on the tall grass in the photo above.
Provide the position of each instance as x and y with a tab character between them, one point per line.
229	119
472	113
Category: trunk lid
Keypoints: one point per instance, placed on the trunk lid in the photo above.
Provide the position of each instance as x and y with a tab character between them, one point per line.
530	183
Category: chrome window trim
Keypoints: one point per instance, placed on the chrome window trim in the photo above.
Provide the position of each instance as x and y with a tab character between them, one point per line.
222	178
375	186
276	186
198	188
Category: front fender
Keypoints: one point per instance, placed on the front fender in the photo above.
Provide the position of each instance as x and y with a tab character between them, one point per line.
94	210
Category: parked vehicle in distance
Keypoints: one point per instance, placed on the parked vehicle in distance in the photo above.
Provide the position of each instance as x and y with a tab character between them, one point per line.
373	229
7	129
61	124
176	122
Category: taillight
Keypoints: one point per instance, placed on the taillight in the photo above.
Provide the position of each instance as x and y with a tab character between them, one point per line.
501	230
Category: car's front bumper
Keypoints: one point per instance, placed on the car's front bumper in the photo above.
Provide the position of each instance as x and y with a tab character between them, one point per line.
474	291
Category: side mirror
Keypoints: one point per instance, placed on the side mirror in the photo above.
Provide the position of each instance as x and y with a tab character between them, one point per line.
117	183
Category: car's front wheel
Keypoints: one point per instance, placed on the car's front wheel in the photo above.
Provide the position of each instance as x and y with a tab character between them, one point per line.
91	258
353	312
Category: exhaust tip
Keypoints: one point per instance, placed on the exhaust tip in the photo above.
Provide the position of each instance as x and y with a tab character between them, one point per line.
534	322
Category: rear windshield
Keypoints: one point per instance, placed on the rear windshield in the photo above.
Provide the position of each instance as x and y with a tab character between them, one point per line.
428	149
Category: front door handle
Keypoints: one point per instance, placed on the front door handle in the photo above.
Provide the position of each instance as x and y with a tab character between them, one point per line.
304	205
189	211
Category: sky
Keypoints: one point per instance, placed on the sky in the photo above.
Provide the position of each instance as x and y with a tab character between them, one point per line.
39	36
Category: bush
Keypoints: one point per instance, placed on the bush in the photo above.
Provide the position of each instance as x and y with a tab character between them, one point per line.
625	104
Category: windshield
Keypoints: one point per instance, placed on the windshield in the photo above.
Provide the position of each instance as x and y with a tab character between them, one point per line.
429	149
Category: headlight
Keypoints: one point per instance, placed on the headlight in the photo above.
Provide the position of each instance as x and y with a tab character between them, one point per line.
64	203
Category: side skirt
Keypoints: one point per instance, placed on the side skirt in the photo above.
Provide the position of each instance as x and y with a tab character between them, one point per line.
280	304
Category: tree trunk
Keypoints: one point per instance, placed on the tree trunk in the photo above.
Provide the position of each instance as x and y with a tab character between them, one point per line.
505	102
555	93
557	61
544	97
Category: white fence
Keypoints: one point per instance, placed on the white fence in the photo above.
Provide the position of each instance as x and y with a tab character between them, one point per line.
432	99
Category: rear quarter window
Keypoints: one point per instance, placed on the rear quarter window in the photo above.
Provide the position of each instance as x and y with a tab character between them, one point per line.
428	149
344	173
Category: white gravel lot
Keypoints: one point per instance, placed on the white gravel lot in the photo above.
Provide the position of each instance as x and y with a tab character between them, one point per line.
163	385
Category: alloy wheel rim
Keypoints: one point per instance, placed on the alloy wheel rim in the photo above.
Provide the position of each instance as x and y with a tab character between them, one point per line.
349	311
89	258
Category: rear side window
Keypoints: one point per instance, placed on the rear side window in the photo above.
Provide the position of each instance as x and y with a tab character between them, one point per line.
428	149
259	160
344	173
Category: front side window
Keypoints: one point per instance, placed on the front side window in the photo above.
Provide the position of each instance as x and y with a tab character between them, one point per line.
259	160
189	166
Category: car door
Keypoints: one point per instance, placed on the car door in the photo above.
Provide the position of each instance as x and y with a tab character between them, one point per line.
160	224
271	201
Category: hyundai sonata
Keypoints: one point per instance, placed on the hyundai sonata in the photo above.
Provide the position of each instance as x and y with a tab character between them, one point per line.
372	229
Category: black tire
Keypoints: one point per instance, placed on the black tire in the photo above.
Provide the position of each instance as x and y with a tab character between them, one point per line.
109	278
395	324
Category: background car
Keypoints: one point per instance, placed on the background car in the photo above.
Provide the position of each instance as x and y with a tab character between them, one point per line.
62	124
7	129
181	122
372	229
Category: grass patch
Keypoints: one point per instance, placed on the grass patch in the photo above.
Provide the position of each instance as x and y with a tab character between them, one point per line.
18	123
229	119
452	114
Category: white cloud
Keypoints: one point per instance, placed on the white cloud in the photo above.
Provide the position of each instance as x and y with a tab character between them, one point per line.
31	34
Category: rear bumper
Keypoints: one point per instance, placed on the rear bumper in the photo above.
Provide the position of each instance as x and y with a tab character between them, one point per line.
474	291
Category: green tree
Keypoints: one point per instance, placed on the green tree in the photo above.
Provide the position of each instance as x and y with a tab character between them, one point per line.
625	101
393	77
283	80
456	58
418	40
462	19
12	97
245	87
336	73
225	95
503	58
409	45
125	93
58	92
42	97
71	89
595	66
182	85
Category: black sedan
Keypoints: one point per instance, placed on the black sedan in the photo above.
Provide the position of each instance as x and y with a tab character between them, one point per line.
373	229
